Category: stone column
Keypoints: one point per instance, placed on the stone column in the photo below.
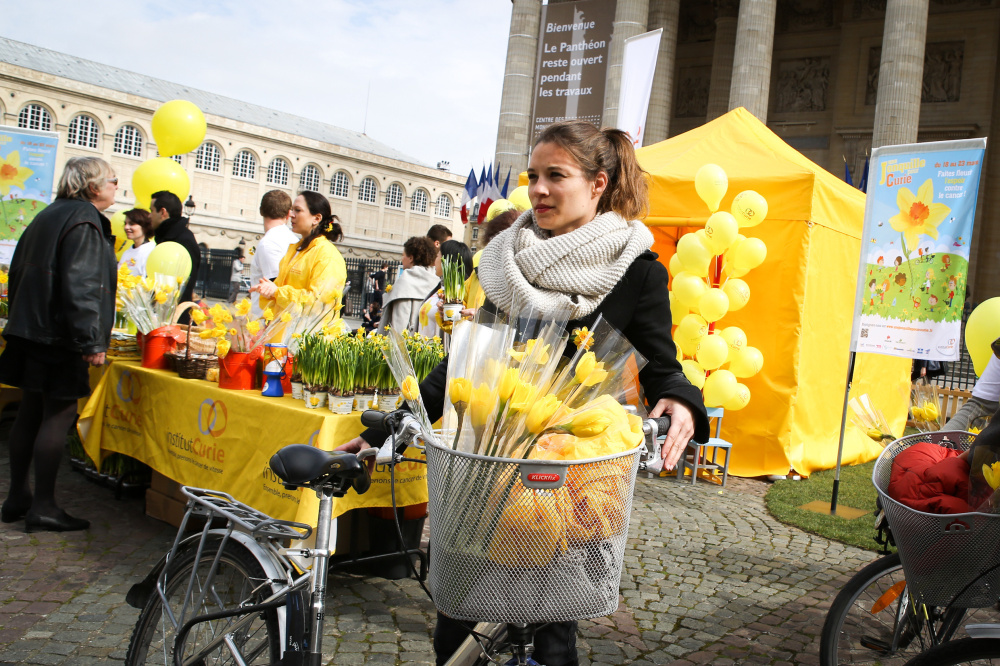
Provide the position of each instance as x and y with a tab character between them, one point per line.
514	131
751	82
722	57
662	14
901	73
630	20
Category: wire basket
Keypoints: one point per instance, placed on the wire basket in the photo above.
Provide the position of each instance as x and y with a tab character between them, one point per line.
948	559
527	540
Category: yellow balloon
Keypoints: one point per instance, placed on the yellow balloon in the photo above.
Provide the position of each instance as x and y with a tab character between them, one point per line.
749	209
156	175
712	352
674	266
497	207
740	399
720	231
178	128
713	305
719	388
171	259
519	197
981	330
747	362
735	338
711	184
689	288
694	256
690	330
738	292
694	372
118	229
749	255
678	310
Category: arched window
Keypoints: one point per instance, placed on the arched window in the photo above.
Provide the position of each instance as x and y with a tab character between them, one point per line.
340	185
128	141
368	191
175	158
245	165
309	180
442	207
277	172
394	196
34	116
418	203
208	157
83	131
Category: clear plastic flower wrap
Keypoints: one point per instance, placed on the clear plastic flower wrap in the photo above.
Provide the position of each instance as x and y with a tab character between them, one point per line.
869	419
402	368
924	406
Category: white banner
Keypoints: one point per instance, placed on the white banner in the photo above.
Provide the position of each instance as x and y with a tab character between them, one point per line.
638	67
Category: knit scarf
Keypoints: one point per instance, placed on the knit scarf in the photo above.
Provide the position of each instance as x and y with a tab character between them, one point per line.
576	270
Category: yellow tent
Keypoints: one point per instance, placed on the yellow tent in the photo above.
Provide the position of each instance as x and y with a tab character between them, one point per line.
802	297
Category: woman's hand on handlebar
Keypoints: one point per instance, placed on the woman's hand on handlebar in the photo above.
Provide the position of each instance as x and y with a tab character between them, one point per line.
681	429
355	446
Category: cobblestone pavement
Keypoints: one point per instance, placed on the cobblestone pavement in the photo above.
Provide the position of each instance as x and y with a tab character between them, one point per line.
711	579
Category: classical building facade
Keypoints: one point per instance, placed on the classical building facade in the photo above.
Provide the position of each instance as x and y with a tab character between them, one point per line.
381	196
833	78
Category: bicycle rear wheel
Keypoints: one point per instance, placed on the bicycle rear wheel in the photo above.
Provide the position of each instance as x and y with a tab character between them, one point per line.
971	651
239	580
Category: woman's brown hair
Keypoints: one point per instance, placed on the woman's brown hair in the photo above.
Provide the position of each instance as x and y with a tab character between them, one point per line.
140	217
421	250
329	224
609	150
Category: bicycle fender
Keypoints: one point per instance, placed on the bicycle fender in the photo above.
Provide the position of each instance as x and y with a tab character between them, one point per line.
138	595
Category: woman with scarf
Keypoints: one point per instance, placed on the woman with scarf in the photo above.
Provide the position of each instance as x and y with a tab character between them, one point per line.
582	246
418	282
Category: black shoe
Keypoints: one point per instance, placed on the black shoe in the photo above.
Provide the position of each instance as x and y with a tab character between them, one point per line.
64	523
10	513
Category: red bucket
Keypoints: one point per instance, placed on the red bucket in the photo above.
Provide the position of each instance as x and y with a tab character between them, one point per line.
156	344
237	370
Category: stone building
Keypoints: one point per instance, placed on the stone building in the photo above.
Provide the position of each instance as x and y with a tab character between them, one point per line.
833	78
381	195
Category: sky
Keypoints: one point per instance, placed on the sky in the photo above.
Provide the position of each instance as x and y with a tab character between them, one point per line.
422	76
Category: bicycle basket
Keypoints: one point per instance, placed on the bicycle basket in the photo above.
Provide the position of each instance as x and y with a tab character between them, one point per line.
948	559
527	540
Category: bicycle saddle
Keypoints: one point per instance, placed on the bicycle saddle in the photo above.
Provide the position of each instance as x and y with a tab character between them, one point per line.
304	465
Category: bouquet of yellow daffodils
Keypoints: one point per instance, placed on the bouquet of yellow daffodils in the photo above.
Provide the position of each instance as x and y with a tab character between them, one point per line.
924	407
869	419
150	301
235	330
312	312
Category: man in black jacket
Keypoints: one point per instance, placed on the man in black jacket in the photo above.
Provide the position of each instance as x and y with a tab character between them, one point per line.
168	225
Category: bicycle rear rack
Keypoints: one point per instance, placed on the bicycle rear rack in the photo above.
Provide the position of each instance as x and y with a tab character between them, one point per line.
217	504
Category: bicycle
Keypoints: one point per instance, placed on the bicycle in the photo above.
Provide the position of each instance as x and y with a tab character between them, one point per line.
240	593
880	616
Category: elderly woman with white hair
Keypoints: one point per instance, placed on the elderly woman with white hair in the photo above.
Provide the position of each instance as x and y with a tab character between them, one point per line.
62	308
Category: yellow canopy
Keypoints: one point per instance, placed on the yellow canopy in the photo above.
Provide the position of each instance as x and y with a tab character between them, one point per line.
802	296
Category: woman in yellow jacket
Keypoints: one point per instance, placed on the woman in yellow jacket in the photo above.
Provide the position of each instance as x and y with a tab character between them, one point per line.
314	264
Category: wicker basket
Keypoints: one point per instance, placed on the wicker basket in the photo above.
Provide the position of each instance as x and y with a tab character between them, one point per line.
196	344
193	366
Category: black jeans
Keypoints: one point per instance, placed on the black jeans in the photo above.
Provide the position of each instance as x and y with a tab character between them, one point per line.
555	643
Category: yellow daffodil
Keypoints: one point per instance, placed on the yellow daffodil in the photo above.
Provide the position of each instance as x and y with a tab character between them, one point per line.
930	411
918	413
459	390
198	316
12	174
992	474
541	358
918	215
267	315
160	297
148	284
409	388
583	338
222	347
219	331
285	317
480	405
508	381
540	413
589	371
206	334
974	430
243	307
388	288
589	423
253	327
523	396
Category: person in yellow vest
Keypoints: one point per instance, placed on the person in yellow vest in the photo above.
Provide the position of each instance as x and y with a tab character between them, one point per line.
314	263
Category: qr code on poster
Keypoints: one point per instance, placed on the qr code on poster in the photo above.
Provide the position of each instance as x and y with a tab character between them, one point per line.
864	332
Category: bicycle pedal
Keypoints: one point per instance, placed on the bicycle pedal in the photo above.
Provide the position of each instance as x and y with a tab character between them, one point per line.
874	644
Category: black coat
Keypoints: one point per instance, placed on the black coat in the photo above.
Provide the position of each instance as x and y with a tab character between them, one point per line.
175	229
63	278
639	307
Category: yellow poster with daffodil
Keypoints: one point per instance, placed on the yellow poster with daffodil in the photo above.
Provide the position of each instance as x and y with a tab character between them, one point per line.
27	179
200	435
915	249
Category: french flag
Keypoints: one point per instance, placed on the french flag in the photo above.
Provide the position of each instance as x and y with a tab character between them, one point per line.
487	198
506	184
468	194
481	192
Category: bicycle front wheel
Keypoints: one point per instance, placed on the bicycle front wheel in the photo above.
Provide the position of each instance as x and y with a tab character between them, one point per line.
971	651
238	580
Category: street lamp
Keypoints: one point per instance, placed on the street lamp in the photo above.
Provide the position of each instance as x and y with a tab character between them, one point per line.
189	206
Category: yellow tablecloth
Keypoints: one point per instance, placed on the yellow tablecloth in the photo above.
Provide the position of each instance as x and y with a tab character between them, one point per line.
200	435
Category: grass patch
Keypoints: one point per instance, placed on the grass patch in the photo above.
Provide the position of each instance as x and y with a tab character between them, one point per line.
856	491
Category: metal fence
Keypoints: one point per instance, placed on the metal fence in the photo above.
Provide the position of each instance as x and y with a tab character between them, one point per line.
361	287
214	273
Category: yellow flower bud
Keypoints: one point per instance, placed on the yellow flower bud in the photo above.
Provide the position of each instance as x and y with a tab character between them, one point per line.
222	347
198	316
460	390
508	381
480	405
523	395
930	411
409	388
585	366
992	474
589	423
285	317
160	297
243	308
253	327
268	314
540	413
